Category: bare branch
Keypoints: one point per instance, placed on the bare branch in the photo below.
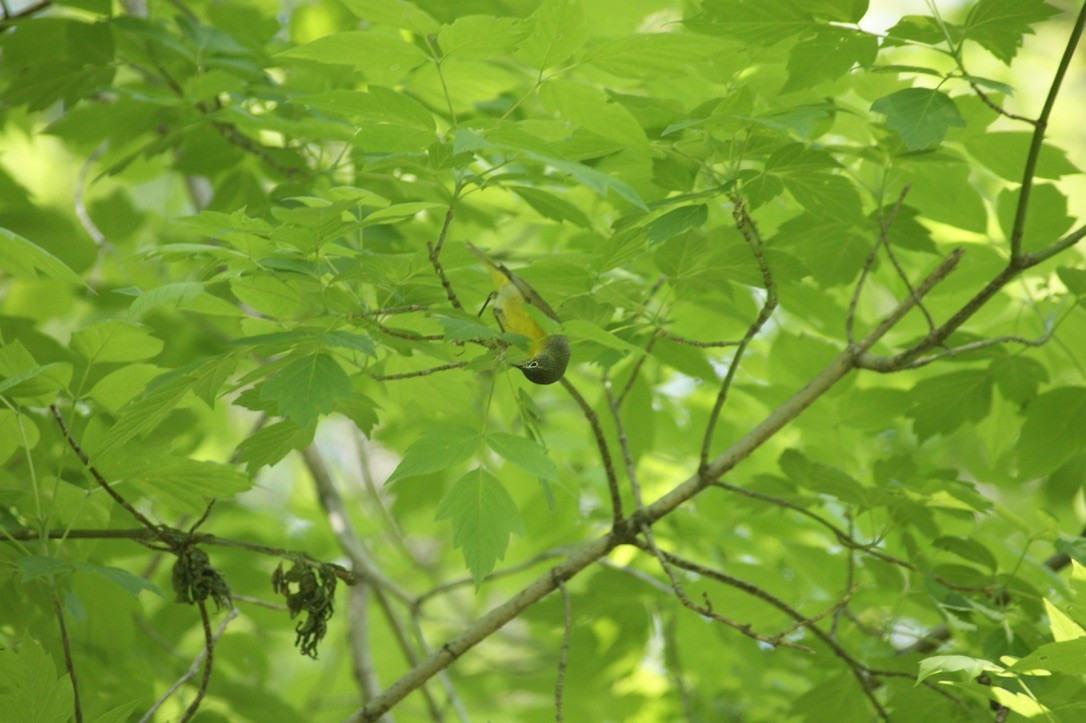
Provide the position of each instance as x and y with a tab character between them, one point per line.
209	658
1037	142
97	475
65	644
435	249
419	373
750	233
595	550
605	452
694	342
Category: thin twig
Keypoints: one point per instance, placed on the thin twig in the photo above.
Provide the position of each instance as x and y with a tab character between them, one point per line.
560	681
194	668
65	643
751	235
605	452
595	550
335	511
25	12
389	311
1037	142
435	249
419	373
995	106
97	476
636	369
893	364
445	587
209	659
694	342
85	220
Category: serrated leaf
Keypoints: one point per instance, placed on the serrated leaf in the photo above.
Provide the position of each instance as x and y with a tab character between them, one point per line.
822	478
483	516
32	690
25	259
307	388
481	36
397	13
115	341
999	25
921	116
375	105
188	483
525	453
366	51
942	404
438	448
1068	656
676	221
972	667
1004	153
759	22
142	415
1046	218
558	30
460	329
1054	430
1063	627
551	206
268	445
654	55
172	295
827	55
1018	377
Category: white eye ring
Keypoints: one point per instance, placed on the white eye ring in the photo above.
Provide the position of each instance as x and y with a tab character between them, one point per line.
531	365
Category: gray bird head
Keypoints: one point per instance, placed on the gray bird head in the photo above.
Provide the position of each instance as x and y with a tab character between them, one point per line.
550	363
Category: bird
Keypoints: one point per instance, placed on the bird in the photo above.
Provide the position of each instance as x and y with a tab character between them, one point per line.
549	353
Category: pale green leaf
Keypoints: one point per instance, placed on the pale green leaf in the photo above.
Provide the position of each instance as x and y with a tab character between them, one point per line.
1054	430
483	516
438	448
25	259
115	341
921	116
307	388
525	453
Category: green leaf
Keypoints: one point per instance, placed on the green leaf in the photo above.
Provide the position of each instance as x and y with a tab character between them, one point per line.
115	341
525	453
397	13
676	221
827	55
655	55
142	415
551	206
307	388
558	30
375	105
921	116
999	25
822	478
436	449
759	22
972	667
465	329
1068	656
1046	218
483	516
366	51
1054	430
31	691
942	404
26	259
1004	153
163	477
481	36
270	444
118	387
1018	377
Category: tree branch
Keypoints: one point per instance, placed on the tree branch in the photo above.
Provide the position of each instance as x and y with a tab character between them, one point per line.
65	644
593	551
605	452
1041	125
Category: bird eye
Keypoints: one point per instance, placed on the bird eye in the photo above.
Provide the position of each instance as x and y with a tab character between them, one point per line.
531	365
